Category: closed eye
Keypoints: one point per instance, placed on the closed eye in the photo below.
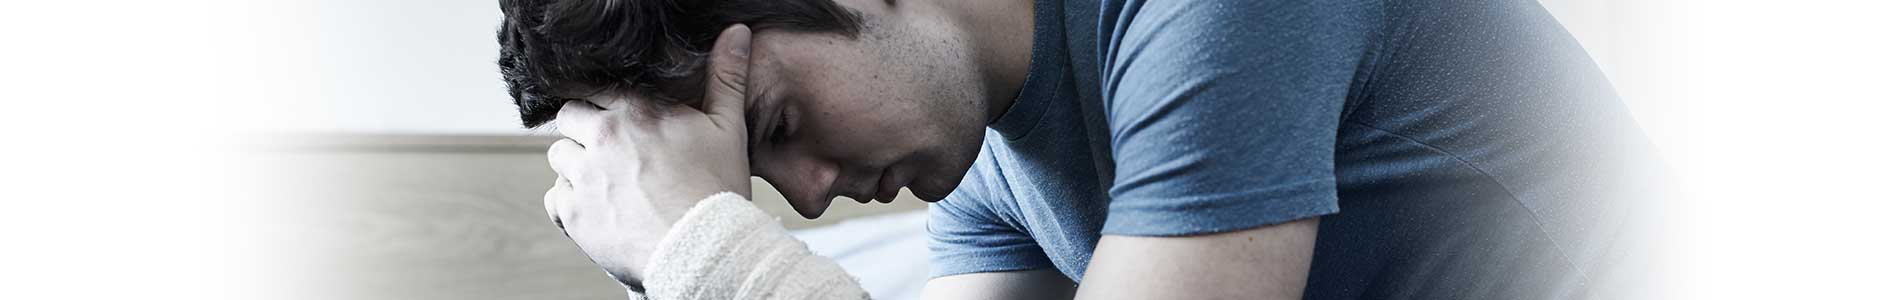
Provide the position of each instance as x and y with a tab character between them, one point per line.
778	134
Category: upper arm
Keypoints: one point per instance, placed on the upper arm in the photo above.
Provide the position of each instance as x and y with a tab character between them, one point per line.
1223	114
1025	284
1267	262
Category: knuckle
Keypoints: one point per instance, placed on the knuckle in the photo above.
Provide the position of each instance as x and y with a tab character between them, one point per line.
730	81
604	131
552	203
585	128
552	199
558	151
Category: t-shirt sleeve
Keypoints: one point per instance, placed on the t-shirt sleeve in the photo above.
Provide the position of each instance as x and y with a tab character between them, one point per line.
968	235
1222	114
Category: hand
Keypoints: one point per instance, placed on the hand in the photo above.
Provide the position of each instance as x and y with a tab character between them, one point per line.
630	168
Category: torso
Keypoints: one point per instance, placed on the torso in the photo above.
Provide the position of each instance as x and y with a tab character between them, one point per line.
1463	159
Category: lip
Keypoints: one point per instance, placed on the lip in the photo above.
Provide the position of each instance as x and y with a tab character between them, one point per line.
860	193
859	196
888	183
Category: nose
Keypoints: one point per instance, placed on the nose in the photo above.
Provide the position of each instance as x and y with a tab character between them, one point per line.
805	183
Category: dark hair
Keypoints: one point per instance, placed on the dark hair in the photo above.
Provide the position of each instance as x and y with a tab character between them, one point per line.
657	48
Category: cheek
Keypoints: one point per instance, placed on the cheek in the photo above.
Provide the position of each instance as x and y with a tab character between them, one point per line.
861	109
847	133
875	109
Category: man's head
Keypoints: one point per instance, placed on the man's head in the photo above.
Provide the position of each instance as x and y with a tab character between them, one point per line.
854	98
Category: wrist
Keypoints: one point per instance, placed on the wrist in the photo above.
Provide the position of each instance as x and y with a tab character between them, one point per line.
644	253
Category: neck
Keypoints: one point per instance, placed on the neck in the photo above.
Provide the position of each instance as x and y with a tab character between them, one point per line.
1002	35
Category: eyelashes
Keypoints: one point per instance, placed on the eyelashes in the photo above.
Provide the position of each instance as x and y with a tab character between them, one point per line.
778	135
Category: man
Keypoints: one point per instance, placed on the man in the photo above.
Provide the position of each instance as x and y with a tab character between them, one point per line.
1216	149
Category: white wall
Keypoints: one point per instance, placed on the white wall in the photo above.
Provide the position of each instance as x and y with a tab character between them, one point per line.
427	66
413	66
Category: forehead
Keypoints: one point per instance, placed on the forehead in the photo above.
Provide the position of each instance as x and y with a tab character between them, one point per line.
798	64
806	50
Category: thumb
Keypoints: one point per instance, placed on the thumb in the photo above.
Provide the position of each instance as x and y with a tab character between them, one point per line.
730	61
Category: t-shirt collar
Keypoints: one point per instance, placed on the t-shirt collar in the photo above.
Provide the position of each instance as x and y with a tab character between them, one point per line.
1045	74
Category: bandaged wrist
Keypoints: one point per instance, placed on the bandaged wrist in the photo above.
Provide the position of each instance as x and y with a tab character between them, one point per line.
726	248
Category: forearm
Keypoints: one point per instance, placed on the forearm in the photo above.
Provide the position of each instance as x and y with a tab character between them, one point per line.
725	248
1268	262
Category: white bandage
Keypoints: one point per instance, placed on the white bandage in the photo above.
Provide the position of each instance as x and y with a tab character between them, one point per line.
725	248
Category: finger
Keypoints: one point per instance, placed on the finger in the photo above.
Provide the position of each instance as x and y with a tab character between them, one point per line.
565	158
580	121
606	101
613	101
555	200
730	63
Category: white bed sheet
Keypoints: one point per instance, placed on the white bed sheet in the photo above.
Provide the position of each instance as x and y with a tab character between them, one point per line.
887	253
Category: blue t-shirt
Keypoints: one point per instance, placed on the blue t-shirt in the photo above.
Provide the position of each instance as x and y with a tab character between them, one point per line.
1454	148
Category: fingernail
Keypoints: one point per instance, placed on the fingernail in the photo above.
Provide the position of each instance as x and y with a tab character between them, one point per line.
744	48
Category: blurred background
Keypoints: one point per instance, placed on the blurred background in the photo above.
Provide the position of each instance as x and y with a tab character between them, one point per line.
359	149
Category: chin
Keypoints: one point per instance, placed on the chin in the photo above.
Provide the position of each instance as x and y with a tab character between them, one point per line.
937	187
933	187
929	196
